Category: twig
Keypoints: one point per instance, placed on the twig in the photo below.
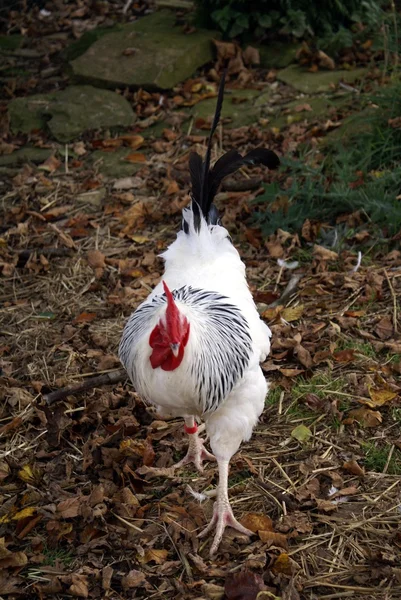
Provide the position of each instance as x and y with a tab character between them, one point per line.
105	379
394	297
244	185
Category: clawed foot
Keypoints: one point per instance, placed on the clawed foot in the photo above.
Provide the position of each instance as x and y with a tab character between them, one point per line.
196	454
222	517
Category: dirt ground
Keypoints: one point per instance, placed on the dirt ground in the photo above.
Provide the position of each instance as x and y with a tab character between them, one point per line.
319	482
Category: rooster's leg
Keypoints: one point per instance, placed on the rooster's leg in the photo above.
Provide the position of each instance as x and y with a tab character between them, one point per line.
222	512
196	451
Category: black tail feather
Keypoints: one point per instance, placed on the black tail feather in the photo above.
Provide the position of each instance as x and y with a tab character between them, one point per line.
205	181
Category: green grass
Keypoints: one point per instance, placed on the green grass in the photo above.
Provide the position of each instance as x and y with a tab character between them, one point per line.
273	396
364	348
53	555
320	384
376	457
396	414
359	169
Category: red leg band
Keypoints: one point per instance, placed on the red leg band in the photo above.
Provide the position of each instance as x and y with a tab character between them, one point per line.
190	430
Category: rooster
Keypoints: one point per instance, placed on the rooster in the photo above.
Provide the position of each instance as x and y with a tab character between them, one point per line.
193	348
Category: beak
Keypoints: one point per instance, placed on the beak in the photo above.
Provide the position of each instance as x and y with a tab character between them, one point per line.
175	348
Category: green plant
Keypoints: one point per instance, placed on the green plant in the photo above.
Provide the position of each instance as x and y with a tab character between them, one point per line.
287	17
377	457
360	171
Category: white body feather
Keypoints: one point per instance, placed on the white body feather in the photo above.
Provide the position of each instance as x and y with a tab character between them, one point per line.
206	260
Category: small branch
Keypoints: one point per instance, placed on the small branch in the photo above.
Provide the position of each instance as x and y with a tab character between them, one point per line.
244	185
394	298
105	379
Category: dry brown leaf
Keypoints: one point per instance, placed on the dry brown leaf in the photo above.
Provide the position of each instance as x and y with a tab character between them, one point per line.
134	217
79	586
304	356
51	164
365	417
133	141
11	559
153	555
322	253
384	328
302	108
96	259
275	539
282	564
251	56
135	157
325	61
345	356
69	508
243	586
352	467
256	522
292	313
85	318
291	372
133	579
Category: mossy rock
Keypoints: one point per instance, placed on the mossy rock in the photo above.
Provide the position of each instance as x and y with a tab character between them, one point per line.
151	53
113	165
70	113
76	49
276	55
239	107
26	155
314	83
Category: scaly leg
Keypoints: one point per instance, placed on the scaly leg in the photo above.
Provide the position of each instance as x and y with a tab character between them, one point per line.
222	512
196	453
196	450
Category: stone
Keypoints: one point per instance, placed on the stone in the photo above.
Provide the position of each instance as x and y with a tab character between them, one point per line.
151	53
322	81
239	106
93	198
29	113
26	155
80	46
71	112
113	165
276	55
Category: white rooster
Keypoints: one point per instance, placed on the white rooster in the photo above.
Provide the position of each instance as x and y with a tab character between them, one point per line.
194	346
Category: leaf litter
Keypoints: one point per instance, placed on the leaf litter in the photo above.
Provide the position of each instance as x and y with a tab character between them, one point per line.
79	516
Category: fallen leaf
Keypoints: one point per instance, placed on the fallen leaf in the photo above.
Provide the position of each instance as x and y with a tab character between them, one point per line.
384	328
133	579
365	417
282	564
345	356
135	157
352	467
292	313
302	108
301	433
85	318
276	539
18	516
96	259
304	356
11	559
26	474
244	585
251	56
69	508
322	253
256	522
79	586
153	555
51	164
133	141
380	397
291	372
